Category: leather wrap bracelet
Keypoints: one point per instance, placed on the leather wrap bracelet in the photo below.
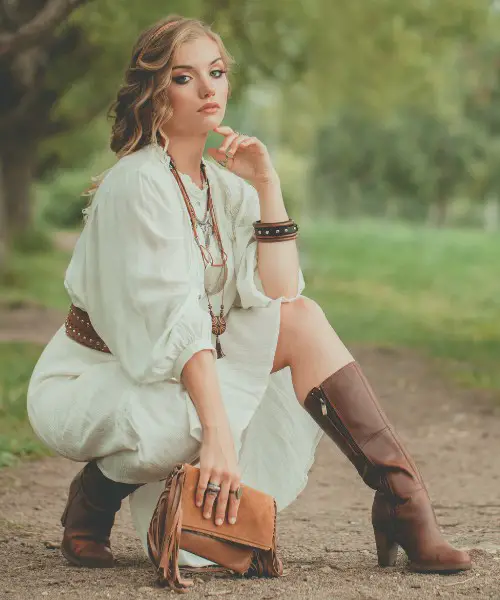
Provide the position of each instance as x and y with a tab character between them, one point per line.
279	231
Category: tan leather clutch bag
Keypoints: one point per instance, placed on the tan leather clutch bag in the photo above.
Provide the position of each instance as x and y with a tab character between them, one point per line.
247	547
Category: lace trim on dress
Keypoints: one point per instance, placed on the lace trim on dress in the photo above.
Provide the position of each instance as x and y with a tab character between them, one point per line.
189	183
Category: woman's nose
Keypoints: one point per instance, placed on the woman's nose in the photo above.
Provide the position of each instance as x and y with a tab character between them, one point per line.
208	92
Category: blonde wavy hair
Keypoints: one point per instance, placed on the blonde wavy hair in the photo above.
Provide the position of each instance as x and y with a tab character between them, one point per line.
141	106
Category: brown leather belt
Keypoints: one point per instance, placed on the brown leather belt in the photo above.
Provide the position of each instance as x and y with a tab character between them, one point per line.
80	329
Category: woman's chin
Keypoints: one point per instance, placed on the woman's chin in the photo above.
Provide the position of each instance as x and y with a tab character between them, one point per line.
212	121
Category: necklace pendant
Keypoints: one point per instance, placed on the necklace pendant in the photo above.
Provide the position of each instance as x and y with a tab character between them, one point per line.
218	325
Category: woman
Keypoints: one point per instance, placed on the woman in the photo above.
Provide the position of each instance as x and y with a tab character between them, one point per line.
189	337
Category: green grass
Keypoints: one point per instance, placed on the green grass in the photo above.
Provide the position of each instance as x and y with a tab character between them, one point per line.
16	436
31	279
436	291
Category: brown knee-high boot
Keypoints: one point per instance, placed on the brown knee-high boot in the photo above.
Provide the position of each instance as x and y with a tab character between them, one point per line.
346	408
89	516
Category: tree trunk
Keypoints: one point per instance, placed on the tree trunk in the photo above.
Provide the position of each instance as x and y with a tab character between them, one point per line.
391	211
438	213
3	226
18	170
491	214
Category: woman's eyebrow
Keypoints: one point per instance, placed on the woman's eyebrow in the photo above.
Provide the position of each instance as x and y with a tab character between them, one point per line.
190	67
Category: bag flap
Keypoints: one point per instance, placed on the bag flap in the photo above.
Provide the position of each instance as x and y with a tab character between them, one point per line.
254	525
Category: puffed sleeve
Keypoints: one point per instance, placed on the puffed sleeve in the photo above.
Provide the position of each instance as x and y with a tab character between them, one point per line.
250	291
138	291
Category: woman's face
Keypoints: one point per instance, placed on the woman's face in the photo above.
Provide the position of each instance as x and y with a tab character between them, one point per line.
198	77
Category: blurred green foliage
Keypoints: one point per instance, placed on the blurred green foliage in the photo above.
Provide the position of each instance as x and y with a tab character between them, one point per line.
385	109
419	161
398	168
35	279
419	76
60	202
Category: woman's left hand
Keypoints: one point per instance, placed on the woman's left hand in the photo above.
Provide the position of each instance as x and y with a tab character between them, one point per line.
246	156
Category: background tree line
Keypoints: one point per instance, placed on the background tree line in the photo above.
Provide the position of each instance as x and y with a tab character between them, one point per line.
434	162
382	108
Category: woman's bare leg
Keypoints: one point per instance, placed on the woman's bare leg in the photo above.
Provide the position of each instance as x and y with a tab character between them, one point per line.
334	391
308	344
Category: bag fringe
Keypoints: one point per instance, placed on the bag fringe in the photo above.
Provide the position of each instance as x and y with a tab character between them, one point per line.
167	527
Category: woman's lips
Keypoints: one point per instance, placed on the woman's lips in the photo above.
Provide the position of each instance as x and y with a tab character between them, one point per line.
210	109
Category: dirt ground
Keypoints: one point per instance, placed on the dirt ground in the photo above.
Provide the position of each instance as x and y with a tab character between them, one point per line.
324	537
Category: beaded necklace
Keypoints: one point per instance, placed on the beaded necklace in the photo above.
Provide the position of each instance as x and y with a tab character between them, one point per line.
218	322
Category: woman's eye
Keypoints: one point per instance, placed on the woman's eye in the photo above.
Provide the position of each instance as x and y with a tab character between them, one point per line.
181	79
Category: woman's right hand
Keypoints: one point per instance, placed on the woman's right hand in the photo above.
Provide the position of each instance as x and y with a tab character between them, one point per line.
218	465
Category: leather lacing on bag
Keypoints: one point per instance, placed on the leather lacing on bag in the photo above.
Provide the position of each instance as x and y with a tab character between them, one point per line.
164	540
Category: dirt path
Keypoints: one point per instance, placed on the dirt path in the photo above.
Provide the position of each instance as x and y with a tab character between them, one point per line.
29	323
325	536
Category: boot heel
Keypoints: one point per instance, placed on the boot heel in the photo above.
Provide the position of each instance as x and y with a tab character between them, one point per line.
387	549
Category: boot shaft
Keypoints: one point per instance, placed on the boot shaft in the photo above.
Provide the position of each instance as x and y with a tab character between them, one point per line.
346	408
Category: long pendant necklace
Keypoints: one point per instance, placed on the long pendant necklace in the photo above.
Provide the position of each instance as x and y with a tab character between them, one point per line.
205	224
206	227
218	322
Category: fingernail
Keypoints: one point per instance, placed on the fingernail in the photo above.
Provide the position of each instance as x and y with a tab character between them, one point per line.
207	515
232	520
198	503
218	522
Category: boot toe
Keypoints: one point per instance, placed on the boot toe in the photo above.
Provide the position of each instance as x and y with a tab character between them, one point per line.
448	561
88	554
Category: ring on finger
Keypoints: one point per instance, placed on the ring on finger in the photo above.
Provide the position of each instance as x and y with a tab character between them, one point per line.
243	138
237	493
213	487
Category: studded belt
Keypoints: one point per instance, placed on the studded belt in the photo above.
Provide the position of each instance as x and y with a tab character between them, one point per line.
80	329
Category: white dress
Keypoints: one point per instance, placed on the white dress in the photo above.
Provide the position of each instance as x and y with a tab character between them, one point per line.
137	271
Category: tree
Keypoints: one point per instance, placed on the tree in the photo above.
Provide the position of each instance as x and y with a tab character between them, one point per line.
60	67
409	165
481	71
31	40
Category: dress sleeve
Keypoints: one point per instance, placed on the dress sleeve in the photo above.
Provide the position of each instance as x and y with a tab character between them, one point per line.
250	292
138	290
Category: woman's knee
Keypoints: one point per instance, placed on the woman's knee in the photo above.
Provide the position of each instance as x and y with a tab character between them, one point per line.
300	315
298	319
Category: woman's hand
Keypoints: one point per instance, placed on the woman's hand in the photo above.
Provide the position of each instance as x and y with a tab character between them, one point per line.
218	465
246	156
